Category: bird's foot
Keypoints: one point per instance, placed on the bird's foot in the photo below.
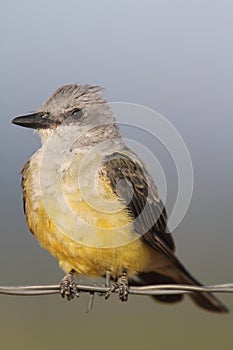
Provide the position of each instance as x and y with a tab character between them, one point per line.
68	288
122	285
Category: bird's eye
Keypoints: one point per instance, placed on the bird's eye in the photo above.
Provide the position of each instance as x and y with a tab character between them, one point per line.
77	113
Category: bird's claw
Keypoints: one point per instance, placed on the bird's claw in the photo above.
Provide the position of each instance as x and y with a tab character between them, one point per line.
68	288
122	286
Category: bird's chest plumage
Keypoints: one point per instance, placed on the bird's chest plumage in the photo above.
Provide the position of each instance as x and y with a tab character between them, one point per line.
76	216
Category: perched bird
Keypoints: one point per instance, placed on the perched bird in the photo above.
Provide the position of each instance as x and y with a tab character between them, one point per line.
91	202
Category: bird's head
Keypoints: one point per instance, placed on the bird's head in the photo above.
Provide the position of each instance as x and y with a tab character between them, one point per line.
80	106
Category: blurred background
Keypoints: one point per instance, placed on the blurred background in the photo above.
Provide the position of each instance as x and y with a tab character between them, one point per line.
172	56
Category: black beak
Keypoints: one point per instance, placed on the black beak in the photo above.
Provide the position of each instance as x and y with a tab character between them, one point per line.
34	121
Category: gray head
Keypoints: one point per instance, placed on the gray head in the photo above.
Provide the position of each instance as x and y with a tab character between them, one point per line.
68	98
74	104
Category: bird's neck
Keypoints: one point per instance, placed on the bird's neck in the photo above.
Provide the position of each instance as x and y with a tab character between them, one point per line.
65	138
98	135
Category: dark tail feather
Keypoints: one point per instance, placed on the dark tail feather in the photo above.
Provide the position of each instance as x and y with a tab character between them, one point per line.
153	278
205	300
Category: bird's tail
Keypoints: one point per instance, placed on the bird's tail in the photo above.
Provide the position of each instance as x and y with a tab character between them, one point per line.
205	300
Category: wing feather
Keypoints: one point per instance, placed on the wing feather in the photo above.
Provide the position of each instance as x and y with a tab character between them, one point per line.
140	195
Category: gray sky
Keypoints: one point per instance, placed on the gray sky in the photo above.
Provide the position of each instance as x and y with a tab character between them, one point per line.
173	56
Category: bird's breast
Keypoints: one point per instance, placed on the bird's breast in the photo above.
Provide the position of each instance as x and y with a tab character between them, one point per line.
77	217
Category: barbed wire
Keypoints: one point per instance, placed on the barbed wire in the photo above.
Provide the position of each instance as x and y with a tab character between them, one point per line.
149	290
142	290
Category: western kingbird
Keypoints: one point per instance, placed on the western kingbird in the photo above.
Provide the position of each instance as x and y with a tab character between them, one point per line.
91	203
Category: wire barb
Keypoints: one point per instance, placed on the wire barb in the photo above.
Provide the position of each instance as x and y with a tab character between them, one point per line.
91	301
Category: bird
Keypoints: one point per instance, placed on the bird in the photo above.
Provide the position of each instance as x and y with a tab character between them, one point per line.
92	203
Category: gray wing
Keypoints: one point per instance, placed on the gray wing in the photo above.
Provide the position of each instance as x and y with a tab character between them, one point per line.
152	224
141	199
145	206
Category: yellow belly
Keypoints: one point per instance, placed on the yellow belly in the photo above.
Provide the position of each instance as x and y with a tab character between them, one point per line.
133	254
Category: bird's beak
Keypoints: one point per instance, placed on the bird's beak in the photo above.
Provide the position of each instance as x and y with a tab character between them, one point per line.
36	120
